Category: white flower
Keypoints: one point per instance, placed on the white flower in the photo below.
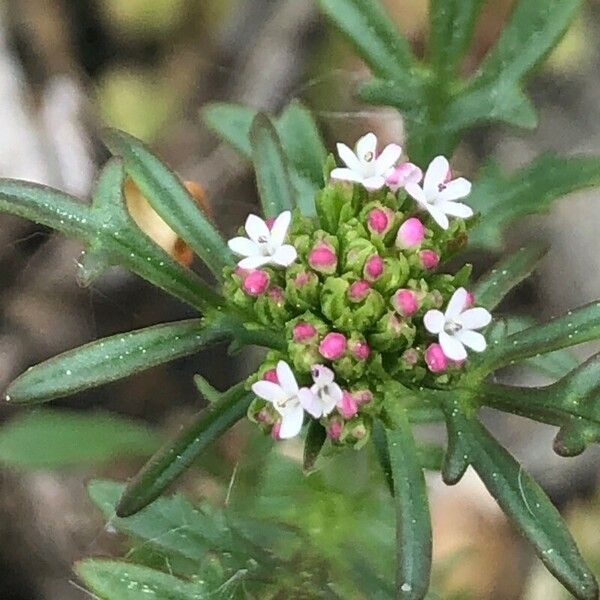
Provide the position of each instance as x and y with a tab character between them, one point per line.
325	394
438	196
364	166
264	246
285	397
454	328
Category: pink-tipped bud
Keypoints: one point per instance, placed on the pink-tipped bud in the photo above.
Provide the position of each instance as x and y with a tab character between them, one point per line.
380	220
335	429
302	278
275	431
410	357
277	295
333	346
435	358
271	375
470	301
360	350
374	268
256	283
347	406
429	259
359	290
405	173
363	396
410	234
406	302
264	416
270	221
304	332
323	258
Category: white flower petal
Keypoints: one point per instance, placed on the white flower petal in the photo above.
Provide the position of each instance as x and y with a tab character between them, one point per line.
254	262
310	402
438	215
269	391
452	347
456	304
328	404
349	158
243	246
366	145
256	228
472	339
322	375
280	228
285	255
346	175
388	158
336	393
291	422
416	191
437	171
434	321
374	183
455	189
286	378
455	209
475	318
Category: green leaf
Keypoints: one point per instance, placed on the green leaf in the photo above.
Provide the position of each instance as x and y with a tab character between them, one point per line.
524	501
271	165
177	455
54	439
119	580
508	273
413	522
373	34
315	438
232	122
501	199
112	358
170	199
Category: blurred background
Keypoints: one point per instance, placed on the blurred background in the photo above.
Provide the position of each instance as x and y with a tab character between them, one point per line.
70	67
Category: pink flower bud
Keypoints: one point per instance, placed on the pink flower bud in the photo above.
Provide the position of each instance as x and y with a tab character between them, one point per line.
264	416
256	283
406	302
360	350
304	332
271	375
363	396
333	346
429	259
275	431
302	278
373	268
276	294
269	221
405	173
347	406
410	234
323	258
470	301
380	220
411	357
335	429
359	290
435	358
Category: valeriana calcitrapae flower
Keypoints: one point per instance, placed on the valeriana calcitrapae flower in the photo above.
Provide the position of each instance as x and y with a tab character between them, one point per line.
326	394
264	245
456	326
364	165
438	195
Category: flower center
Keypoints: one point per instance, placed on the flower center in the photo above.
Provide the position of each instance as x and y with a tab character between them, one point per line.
368	156
265	246
441	187
286	401
451	327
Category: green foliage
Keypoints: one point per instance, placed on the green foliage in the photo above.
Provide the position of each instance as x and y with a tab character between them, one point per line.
54	439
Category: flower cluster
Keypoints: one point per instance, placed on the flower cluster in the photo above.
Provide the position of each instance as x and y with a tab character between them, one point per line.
358	293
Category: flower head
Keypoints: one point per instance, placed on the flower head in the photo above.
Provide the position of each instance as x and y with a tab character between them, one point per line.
326	394
438	196
363	165
456	327
264	245
403	174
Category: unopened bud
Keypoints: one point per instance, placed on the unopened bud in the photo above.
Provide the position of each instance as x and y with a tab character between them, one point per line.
347	406
429	259
411	234
406	302
304	332
405	173
374	268
358	291
360	349
380	220
323	258
256	283
435	358
333	346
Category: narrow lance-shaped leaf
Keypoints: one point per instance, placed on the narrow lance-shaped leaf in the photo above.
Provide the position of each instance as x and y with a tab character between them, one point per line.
508	273
315	438
177	455
169	198
112	358
413	522
271	165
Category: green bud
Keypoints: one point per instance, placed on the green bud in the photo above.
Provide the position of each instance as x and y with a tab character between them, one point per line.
270	308
334	206
302	288
392	333
356	253
395	274
357	432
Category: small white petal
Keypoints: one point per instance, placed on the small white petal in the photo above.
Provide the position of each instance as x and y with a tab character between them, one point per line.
243	246
254	262
280	228
475	318
456	304
328	404
346	175
349	158
285	255
434	321
269	391
388	158
452	347
374	183
438	215
256	228
310	402
437	171
416	191
366	145
291	422
455	189
455	209
472	339
322	375
336	393
286	378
